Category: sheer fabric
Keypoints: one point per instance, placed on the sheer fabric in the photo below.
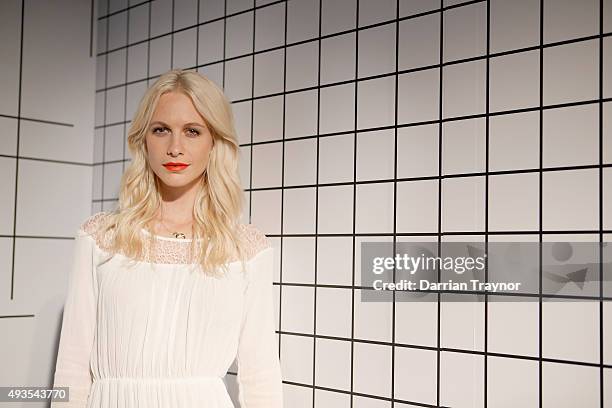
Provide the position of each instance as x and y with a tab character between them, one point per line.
164	334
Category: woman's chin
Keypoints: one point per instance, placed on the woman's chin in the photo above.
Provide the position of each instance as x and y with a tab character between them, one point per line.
177	180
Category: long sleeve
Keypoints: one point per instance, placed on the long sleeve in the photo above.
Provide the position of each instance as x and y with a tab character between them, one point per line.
78	326
259	374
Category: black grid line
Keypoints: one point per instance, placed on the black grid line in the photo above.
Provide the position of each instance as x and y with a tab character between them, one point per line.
447	349
125	93
540	199
103	166
252	123
316	238
282	209
149	47
395	120
417	178
439	235
36	120
486	209
197	47
356	92
109	14
224	39
172	33
229	372
390	127
601	213
15	192
34	236
37	159
91	27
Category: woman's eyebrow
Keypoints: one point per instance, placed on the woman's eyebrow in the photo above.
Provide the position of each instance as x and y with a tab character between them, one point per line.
186	124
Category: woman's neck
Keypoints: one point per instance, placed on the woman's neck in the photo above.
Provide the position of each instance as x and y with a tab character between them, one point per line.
176	209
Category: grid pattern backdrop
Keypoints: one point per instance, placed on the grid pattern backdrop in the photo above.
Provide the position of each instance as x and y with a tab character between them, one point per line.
398	120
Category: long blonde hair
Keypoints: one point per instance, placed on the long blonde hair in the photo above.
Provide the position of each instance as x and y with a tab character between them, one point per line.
219	200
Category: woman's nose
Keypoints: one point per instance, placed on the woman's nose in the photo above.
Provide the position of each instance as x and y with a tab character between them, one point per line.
176	143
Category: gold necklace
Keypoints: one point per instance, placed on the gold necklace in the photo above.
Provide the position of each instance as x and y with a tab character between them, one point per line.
175	234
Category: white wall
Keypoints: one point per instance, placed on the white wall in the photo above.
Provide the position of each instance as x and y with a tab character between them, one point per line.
47	80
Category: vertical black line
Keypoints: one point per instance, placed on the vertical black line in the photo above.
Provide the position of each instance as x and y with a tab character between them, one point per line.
125	86
149	46
172	39
486	215
224	53
91	29
104	108
354	201
439	237
197	50
318	131
316	234
282	240
252	111
17	152
601	213
540	190
395	119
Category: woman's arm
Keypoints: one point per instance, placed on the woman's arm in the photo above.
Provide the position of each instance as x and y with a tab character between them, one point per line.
259	373
78	325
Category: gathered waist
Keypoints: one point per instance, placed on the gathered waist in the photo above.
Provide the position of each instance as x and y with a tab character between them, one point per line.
184	378
185	391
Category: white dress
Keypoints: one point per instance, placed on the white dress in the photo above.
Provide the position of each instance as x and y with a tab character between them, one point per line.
164	334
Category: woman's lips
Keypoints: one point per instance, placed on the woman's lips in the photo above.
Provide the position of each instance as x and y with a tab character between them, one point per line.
175	167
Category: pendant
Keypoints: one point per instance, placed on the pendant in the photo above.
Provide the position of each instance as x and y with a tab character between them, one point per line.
179	235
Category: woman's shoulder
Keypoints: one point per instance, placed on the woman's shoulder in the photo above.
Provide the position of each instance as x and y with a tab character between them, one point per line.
254	239
91	224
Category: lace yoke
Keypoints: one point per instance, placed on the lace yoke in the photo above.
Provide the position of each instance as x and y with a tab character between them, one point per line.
166	250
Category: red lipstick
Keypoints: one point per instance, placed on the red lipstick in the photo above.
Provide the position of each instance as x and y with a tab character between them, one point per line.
175	166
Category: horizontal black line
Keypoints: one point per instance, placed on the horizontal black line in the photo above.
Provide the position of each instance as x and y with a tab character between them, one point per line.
447	349
408	179
40	159
34	236
402	125
48	122
433	121
124	9
361	394
118	161
319	387
435	234
453	292
282	1
203	22
446	176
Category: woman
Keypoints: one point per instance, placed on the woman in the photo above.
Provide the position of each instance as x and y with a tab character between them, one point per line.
169	288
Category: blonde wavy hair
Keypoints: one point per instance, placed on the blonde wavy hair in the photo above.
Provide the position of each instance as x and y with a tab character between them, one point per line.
219	201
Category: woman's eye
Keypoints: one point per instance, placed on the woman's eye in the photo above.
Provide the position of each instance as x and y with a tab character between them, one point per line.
193	132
